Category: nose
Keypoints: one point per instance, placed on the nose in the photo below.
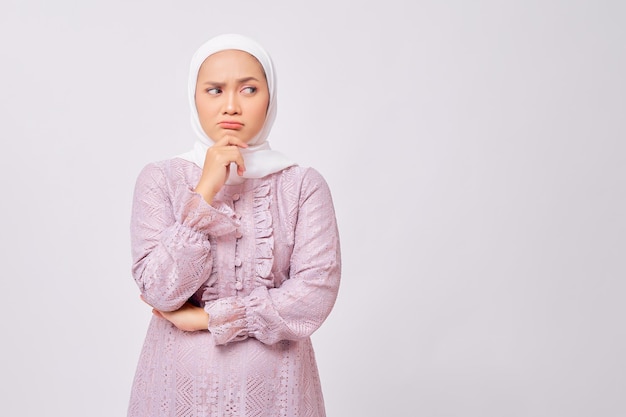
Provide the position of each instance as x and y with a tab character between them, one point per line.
231	105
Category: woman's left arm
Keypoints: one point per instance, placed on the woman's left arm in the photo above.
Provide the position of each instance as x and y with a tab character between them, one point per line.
300	305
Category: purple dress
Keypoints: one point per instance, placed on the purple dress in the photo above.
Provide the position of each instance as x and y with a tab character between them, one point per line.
264	262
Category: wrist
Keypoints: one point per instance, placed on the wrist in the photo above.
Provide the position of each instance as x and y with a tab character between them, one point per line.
206	192
204	322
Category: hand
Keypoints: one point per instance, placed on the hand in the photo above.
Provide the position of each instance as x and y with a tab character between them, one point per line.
217	166
188	318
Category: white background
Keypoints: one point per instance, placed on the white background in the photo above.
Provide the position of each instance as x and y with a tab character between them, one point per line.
476	154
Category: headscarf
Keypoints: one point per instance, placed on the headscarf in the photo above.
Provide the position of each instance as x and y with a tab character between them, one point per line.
260	160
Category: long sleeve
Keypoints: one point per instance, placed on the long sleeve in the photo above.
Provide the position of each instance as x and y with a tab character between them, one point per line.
300	305
170	225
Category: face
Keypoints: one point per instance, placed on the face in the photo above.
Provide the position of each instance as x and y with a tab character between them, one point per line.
232	96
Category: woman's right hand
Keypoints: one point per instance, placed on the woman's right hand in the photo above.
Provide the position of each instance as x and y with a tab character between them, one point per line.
217	166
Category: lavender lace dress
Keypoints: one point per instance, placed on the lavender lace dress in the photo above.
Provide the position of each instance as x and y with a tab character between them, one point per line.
263	261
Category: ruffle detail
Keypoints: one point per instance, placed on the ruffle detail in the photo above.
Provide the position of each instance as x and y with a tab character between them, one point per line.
264	234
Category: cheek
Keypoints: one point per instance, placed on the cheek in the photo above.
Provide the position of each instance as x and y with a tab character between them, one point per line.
261	111
199	108
204	109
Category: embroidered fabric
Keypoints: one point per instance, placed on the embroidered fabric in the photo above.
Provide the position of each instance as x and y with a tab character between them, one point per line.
264	262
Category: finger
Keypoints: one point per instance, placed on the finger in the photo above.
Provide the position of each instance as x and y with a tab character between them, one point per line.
233	140
229	140
231	155
241	166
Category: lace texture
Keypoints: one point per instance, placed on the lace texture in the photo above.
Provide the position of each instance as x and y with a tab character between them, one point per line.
264	262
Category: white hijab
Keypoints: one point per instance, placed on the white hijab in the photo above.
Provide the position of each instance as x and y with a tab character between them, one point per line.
259	158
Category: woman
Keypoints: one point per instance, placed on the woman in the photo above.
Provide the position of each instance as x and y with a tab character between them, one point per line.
236	248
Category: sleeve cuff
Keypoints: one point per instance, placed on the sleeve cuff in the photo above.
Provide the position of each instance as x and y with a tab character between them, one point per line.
227	320
197	214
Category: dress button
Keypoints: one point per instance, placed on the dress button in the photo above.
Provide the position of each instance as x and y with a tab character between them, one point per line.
237	262
236	197
238	234
238	286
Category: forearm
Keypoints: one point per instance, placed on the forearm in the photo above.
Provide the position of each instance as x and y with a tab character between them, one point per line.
169	272
293	311
297	307
189	317
170	229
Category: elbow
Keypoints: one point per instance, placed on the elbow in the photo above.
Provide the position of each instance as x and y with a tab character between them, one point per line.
162	302
161	294
293	331
162	299
288	336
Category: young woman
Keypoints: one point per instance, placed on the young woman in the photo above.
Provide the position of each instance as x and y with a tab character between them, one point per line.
236	249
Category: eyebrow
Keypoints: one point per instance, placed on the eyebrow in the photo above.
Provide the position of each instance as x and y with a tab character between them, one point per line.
239	81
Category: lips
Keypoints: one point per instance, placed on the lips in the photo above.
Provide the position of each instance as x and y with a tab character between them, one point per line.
230	124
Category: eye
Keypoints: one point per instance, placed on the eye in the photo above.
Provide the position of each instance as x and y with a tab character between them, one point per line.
249	90
213	91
